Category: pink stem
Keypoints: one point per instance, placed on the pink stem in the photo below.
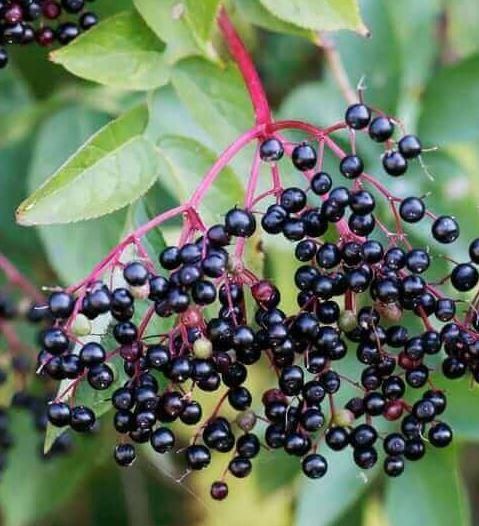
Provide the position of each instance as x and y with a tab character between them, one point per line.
247	68
16	278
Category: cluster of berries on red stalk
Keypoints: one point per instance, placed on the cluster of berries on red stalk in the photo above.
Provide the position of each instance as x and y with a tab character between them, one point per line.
353	294
16	362
43	22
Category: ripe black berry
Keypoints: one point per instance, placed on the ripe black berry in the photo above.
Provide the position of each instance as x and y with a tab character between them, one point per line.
271	150
304	157
445	229
412	209
464	277
357	116
240	223
314	466
394	163
410	146
351	166
381	129
124	454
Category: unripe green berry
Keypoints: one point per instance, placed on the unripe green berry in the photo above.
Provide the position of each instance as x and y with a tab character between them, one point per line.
203	348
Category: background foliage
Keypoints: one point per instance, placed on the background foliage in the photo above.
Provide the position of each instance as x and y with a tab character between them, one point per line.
154	102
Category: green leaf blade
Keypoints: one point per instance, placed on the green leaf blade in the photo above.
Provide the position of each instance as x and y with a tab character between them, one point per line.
114	168
320	15
121	52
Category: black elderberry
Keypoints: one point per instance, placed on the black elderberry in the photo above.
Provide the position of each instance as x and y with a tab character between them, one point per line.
271	150
357	116
417	261
351	166
374	404
92	353
321	183
135	274
191	413
394	444
304	157
240	467
453	368
240	223
125	332
122	399
328	256
162	440
381	129
365	458
59	414
361	225
464	277
410	146
314	466
170	258
445	229
474	251
248	445
294	229
372	251
100	376
124	454
297	444
82	418
61	305
55	341
393	466
305	250
88	20
415	449
412	209
362	202
438	399
293	200
239	398
67	32
394	163
337	438
445	309
123	421
440	435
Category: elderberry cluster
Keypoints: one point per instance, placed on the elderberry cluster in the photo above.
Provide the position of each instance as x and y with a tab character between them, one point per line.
43	22
15	362
356	296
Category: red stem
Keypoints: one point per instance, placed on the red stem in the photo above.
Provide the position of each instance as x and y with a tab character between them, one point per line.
18	279
248	71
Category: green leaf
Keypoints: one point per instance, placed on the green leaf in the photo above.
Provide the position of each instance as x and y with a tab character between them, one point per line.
45	484
320	15
454	88
167	18
433	491
57	139
186	163
258	15
112	169
322	501
120	52
377	59
201	17
216	98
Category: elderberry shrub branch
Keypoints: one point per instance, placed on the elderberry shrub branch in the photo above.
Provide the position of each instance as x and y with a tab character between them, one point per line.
44	22
20	303
353	294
